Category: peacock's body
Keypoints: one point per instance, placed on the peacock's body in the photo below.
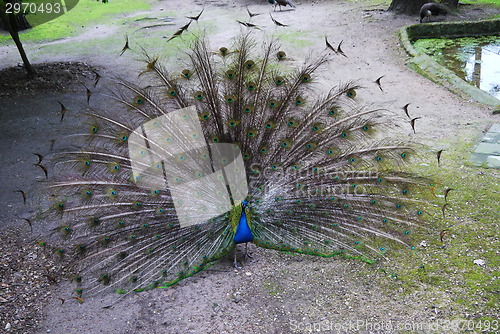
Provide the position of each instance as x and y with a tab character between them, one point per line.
431	9
282	3
235	147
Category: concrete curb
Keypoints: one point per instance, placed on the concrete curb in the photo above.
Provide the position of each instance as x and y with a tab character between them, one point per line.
487	152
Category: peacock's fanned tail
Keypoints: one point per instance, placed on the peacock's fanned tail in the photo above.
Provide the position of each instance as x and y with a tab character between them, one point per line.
319	181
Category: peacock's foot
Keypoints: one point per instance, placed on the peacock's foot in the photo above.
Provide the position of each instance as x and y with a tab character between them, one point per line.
235	264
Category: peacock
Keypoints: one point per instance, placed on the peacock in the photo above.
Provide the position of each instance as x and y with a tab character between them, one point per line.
236	145
282	3
431	9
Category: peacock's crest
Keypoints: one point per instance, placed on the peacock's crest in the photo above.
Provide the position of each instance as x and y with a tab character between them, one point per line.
234	146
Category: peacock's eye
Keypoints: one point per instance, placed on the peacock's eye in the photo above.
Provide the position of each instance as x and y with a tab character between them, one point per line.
351	93
299	101
248	108
172	92
249	64
223	51
199	95
306	77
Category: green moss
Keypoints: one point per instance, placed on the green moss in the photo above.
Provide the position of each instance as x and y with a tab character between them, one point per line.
295	38
273	289
471	222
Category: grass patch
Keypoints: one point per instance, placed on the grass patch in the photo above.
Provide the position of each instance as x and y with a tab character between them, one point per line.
85	14
489	2
299	39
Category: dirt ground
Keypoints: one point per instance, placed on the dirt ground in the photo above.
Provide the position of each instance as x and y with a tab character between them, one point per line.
274	292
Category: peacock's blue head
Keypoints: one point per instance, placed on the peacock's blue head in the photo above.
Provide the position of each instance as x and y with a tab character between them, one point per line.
244	203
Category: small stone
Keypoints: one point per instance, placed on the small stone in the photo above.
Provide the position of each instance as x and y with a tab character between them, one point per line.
8	326
479	262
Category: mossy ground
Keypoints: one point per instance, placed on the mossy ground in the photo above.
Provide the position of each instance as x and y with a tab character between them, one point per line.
495	3
446	269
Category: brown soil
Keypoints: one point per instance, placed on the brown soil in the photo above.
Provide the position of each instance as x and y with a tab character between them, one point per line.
274	291
49	77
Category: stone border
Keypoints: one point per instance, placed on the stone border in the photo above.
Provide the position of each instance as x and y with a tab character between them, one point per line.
487	152
428	67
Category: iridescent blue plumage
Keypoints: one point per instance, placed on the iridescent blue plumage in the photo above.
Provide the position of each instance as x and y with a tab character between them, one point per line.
243	233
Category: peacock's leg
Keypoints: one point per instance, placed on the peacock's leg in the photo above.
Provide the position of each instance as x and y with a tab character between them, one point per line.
235	263
247	255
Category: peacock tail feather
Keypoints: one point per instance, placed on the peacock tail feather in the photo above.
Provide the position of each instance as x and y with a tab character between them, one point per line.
305	172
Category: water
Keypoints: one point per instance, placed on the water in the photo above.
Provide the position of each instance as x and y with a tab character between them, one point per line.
474	59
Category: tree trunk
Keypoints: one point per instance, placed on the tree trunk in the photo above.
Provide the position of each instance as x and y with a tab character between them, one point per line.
476	74
21	21
450	3
412	7
10	21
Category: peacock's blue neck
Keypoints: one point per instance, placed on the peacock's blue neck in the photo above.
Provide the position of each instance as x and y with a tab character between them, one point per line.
243	233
